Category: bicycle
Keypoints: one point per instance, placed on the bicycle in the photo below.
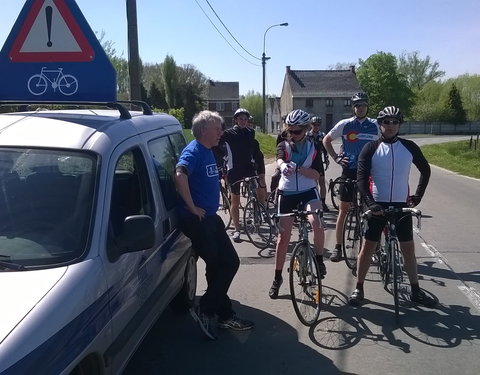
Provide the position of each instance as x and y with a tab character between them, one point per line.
388	254
256	221
224	206
352	230
66	83
334	189
304	274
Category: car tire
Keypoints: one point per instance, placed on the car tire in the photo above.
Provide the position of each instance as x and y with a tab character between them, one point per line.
186	296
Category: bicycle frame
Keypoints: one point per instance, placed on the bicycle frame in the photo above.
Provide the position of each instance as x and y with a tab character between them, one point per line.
390	260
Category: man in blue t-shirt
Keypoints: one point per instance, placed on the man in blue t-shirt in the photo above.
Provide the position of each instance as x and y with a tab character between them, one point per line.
197	184
355	132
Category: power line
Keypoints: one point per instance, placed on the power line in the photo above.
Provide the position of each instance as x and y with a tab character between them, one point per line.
226	28
224	36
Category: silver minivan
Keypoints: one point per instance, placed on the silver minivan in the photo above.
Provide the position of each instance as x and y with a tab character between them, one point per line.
90	252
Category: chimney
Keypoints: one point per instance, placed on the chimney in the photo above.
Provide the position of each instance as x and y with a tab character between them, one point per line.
352	68
288	69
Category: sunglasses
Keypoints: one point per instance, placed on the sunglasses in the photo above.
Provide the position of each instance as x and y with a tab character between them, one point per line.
390	122
296	132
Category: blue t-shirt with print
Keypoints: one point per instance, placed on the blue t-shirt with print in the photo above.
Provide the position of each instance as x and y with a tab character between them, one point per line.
202	178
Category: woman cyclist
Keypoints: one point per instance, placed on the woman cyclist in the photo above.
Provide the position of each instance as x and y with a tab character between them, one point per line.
300	164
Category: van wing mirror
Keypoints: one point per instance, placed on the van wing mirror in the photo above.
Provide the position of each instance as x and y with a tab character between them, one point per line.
138	234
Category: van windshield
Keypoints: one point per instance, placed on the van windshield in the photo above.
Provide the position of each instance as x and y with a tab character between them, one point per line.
46	201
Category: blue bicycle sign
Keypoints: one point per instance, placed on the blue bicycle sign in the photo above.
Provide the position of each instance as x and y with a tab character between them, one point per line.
65	83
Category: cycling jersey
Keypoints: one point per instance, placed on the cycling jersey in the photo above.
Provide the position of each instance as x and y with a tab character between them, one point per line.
355	134
245	151
384	169
317	139
307	157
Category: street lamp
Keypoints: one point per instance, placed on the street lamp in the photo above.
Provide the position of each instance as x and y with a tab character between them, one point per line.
264	60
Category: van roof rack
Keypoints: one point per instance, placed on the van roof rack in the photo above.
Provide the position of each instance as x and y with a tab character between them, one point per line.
118	105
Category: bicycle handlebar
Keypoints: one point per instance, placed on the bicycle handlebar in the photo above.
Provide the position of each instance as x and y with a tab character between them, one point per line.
391	210
246	179
298	213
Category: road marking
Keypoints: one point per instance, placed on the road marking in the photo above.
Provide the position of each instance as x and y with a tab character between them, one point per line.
434	253
471	293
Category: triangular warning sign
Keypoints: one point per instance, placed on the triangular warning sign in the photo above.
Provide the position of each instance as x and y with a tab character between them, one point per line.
50	33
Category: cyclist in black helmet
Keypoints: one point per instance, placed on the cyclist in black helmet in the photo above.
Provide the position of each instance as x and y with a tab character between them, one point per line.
246	160
383	180
317	136
354	132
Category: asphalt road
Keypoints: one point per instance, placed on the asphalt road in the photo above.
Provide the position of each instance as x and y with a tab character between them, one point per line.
346	340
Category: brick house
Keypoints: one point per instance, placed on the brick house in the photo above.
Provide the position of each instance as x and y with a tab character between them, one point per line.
324	93
224	98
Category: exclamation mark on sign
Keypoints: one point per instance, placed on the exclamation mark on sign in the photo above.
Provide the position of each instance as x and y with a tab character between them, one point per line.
48	14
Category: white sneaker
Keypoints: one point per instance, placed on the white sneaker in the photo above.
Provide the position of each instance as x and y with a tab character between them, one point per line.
236	236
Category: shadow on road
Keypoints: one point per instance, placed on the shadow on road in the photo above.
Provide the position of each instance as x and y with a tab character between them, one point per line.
175	345
342	326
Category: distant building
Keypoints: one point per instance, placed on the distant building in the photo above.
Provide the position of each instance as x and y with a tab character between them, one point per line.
224	98
273	118
324	93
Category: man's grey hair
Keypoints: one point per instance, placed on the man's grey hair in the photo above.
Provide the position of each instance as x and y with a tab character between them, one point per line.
202	119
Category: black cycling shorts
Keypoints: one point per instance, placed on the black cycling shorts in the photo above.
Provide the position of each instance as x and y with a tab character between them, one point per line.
345	190
404	227
236	175
288	203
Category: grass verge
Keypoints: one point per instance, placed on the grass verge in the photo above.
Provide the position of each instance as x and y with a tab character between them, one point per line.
460	157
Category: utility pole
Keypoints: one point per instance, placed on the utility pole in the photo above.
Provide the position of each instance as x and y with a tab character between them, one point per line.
133	54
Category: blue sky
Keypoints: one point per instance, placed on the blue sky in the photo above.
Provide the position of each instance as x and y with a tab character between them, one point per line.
320	33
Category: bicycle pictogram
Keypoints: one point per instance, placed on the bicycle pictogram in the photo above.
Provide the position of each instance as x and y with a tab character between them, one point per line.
66	83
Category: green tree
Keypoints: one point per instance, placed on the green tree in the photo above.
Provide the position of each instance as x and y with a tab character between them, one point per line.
417	71
169	77
178	113
121	67
429	102
469	88
252	101
454	112
379	78
192	89
156	98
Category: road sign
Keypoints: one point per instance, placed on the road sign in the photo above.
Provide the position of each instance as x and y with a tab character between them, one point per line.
52	54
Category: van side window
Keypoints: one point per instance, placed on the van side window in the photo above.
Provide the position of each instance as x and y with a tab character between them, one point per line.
178	142
131	193
165	159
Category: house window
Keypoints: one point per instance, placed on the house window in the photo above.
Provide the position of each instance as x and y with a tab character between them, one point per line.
234	106
220	106
329	102
309	103
347	102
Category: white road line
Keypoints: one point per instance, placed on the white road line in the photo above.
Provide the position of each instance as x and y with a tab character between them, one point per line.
471	293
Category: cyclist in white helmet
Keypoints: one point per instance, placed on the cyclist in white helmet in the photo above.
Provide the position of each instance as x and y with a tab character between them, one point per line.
383	180
300	164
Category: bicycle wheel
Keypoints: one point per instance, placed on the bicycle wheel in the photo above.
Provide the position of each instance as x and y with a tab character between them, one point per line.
224	209
305	284
37	84
258	225
334	187
68	85
382	260
352	238
395	263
